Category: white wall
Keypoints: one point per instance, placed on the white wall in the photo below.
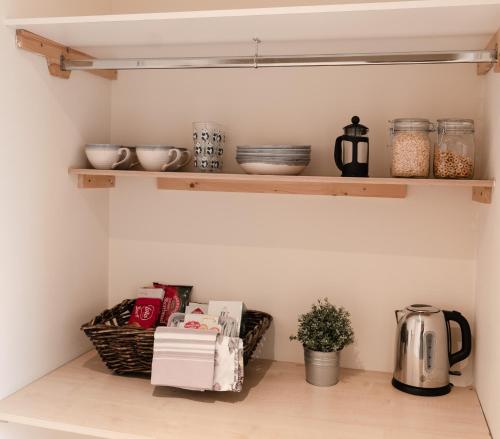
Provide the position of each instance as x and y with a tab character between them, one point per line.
54	252
55	8
487	365
280	253
135	6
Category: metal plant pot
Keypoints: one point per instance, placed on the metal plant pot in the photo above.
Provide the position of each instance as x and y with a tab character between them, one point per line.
322	368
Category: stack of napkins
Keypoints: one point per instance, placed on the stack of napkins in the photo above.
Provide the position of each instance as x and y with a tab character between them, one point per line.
201	349
183	358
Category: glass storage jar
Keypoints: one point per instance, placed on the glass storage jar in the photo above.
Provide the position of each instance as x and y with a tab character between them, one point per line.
454	150
411	147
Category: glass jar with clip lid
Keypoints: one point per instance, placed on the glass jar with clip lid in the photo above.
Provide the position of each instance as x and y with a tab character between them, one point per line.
454	150
411	147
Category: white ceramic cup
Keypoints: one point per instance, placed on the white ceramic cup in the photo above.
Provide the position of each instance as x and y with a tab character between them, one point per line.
158	158
185	159
107	156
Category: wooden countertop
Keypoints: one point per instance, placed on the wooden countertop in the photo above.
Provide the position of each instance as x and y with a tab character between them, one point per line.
84	397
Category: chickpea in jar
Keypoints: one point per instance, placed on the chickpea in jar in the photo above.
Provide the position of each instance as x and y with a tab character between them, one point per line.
411	147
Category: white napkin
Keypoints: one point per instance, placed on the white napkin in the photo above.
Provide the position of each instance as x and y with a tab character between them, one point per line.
183	358
229	371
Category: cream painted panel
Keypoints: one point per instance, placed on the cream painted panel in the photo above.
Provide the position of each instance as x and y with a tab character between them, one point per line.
53	257
487	364
375	20
50	8
298	106
142	6
280	253
431	223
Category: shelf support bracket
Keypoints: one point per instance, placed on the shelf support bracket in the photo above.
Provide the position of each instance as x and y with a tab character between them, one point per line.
482	194
494	44
96	181
273	186
54	53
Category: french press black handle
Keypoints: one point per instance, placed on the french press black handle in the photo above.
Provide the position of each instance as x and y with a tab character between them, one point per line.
464	352
337	152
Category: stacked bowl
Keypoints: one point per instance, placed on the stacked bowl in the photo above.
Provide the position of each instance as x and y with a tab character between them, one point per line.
274	159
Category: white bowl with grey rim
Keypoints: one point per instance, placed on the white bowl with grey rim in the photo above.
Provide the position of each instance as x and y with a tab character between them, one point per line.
274	156
279	147
275	152
273	168
283	154
276	161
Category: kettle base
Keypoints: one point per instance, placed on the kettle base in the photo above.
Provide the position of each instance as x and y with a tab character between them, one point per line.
421	391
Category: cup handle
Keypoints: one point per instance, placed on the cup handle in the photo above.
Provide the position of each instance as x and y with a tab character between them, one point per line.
127	153
178	157
189	156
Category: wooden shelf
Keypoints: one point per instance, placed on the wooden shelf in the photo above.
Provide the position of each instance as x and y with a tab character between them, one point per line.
305	185
84	397
389	19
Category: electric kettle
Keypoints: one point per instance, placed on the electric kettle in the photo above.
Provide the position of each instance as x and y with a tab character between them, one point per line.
423	349
351	151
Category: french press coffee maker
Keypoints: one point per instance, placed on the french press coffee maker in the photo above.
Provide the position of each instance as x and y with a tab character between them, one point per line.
352	150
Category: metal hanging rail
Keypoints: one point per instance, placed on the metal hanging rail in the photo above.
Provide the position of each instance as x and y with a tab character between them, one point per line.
256	61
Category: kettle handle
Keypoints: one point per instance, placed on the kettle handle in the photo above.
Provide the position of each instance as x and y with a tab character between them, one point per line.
396	312
464	352
337	153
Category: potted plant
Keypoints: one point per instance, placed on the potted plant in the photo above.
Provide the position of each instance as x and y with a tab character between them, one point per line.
324	332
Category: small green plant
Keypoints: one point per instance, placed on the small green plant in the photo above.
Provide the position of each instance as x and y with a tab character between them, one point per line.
325	328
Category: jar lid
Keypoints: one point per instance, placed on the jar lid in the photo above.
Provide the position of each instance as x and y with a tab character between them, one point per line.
412	124
423	308
456	125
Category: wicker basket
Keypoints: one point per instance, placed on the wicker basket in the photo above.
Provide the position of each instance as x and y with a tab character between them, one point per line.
127	349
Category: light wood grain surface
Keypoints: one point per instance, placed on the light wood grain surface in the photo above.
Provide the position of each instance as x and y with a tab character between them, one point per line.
240	178
84	397
53	52
279	184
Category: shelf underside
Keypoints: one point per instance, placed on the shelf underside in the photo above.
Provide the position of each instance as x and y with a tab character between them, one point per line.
390	19
304	185
276	402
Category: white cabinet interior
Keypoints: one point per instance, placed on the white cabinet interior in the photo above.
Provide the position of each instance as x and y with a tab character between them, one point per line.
424	248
